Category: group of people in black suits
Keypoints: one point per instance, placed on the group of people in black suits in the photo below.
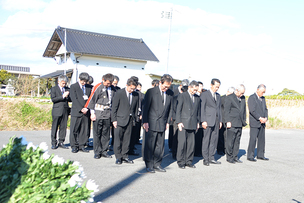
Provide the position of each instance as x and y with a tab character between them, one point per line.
190	111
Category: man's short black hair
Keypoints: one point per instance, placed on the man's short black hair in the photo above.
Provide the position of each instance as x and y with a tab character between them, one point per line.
215	80
116	78
84	76
109	77
139	84
91	80
193	83
131	81
166	78
154	82
199	82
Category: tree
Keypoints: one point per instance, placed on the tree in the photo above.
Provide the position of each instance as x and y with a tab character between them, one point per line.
288	92
4	76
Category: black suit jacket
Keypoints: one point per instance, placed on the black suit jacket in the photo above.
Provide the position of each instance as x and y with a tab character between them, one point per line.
257	109
188	112
235	110
155	113
76	95
210	109
60	104
121	108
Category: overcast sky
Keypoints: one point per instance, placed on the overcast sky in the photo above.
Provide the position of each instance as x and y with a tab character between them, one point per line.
237	41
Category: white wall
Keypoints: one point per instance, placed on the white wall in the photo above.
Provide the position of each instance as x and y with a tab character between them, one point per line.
98	66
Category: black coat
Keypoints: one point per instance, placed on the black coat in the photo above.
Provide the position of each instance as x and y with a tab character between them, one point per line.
188	112
78	102
257	110
210	109
155	113
235	111
60	104
121	108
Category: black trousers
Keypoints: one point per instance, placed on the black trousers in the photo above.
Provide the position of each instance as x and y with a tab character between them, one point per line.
256	134
78	131
170	137
61	122
101	135
221	141
134	135
233	143
154	148
198	142
185	148
122	139
174	140
210	141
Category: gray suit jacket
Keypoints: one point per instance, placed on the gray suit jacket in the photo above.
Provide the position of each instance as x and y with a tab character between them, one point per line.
257	109
210	109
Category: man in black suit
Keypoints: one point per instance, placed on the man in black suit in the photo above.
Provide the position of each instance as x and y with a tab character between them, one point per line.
187	119
90	82
221	144
60	112
79	93
235	118
124	114
100	103
116	87
156	117
211	118
258	116
199	134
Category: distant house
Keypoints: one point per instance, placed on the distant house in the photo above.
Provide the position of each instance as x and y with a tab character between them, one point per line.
98	54
17	71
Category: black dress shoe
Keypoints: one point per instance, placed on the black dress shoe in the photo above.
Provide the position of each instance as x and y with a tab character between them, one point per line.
263	158
251	159
191	165
61	145
84	150
133	153
54	147
106	155
231	161
206	163
74	150
181	166
237	161
159	169
127	160
215	162
97	156
150	170
118	161
221	153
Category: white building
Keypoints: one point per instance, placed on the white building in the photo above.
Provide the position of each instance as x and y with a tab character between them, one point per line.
98	54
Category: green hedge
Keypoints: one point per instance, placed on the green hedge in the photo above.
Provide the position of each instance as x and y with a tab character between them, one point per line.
29	174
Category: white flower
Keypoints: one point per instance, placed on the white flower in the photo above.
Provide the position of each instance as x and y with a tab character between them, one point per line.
57	159
45	156
31	145
23	140
43	146
4	146
79	170
75	179
92	186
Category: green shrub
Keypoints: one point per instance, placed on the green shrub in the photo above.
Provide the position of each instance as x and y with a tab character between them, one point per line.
28	174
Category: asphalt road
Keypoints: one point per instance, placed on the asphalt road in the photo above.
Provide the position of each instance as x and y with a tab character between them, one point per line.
278	180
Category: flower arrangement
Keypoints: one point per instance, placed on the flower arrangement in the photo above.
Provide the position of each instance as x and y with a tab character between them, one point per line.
29	174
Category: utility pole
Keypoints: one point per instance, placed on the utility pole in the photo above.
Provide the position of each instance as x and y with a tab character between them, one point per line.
168	15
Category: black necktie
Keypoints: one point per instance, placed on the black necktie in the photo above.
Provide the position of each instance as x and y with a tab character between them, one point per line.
163	97
214	97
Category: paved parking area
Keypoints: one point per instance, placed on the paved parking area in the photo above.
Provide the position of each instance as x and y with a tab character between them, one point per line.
278	180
